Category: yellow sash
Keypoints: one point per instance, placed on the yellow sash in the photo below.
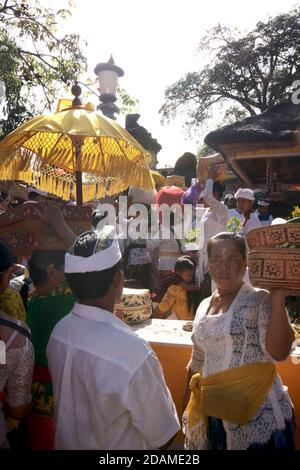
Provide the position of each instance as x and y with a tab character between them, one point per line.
233	395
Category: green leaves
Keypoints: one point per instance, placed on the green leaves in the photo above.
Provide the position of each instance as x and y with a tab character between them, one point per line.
35	61
192	236
234	225
127	104
296	212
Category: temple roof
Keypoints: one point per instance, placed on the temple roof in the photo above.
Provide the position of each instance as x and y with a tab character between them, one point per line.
281	123
141	134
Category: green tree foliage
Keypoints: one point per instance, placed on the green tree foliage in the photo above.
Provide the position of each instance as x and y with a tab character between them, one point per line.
233	114
246	74
205	151
36	61
127	104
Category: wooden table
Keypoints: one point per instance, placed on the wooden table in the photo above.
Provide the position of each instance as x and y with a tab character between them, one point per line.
173	347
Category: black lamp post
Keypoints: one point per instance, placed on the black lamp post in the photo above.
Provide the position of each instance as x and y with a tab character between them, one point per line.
108	74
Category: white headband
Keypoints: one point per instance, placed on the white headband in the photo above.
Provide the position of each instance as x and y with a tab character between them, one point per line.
99	261
244	193
263	203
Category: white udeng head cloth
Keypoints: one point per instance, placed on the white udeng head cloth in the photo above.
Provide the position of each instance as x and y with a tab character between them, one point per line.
104	259
244	193
263	203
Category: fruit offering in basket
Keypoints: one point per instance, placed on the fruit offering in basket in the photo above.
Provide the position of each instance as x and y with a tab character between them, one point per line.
207	164
275	236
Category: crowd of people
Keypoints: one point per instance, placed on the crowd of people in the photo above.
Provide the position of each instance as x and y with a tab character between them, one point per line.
77	377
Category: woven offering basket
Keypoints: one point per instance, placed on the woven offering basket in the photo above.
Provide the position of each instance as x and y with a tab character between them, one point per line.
134	306
275	236
275	268
216	161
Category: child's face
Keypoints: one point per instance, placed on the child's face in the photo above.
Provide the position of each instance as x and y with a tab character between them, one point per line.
187	275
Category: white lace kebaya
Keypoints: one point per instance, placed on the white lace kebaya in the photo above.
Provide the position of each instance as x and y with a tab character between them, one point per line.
235	338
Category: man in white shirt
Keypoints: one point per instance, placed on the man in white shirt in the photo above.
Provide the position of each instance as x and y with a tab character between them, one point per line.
109	389
263	213
214	221
248	219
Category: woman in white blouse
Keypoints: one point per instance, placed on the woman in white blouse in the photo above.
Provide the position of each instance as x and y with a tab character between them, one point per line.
235	398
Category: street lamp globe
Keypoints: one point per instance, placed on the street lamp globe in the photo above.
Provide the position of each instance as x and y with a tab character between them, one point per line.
108	74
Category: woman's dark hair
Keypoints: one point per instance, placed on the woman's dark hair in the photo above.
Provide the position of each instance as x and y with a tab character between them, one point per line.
95	284
184	263
4	195
236	238
24	292
39	262
33	195
6	256
219	188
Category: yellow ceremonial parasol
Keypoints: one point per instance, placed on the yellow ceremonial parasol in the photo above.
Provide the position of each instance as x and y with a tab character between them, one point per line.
76	140
158	178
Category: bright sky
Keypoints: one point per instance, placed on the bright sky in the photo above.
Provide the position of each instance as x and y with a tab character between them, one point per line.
155	42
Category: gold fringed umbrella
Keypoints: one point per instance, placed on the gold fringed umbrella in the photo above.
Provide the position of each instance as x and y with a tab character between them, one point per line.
58	182
78	141
158	178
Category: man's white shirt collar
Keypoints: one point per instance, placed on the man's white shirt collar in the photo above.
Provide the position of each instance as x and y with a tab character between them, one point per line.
97	314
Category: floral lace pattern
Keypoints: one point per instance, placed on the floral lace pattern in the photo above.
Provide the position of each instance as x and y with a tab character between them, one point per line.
233	339
15	380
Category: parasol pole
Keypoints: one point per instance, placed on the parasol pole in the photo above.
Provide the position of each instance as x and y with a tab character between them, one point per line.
76	91
79	198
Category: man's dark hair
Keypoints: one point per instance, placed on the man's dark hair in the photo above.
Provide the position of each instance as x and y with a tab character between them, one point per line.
95	284
6	257
33	195
16	202
39	262
4	195
184	263
218	188
235	237
97	217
